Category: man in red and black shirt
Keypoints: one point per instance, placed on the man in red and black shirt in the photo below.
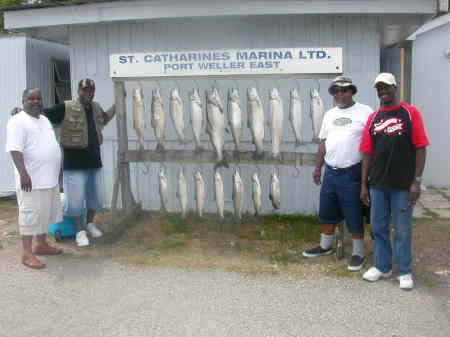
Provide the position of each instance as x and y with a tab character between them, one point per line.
394	148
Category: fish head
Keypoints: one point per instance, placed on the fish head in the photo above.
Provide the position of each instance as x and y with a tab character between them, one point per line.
294	94
197	176
255	177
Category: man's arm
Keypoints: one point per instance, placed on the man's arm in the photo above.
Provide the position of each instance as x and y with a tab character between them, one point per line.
56	113
109	114
25	180
414	190
317	174
367	161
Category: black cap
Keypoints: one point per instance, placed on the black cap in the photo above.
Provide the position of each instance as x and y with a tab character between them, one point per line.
86	83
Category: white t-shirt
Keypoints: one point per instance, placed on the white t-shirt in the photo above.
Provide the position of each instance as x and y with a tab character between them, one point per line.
35	138
342	130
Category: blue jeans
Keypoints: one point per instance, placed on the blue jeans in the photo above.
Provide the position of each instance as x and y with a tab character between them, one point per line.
384	204
83	190
340	198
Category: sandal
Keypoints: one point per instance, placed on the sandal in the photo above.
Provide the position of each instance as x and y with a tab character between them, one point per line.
33	262
47	250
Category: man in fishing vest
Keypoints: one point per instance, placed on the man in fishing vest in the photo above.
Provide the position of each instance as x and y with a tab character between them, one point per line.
394	146
340	136
82	122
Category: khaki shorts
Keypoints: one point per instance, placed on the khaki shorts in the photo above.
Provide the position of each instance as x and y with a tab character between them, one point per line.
38	209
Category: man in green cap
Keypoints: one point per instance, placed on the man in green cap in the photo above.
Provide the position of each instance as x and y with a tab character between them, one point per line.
340	137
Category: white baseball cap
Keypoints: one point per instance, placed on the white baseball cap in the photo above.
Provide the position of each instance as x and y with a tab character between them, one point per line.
386	78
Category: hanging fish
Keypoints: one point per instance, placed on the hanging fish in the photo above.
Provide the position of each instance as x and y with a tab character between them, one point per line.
219	194
196	118
215	124
177	113
238	194
158	118
276	110
317	112
295	116
182	193
138	116
275	193
235	117
163	190
199	193
256	120
256	194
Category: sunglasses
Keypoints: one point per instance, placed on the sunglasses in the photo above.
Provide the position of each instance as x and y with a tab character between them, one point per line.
342	90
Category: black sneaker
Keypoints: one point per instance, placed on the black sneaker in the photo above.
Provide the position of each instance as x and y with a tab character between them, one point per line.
318	251
356	263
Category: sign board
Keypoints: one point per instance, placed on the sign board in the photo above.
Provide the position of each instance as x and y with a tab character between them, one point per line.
227	62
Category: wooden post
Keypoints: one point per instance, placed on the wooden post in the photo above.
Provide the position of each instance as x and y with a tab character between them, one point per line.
122	166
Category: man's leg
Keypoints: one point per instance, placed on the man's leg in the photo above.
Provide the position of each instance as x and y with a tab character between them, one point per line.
348	191
50	212
329	215
28	219
75	182
380	215
94	200
402	215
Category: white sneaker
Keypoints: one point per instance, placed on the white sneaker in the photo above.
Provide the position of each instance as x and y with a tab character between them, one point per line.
82	239
373	274
406	282
93	230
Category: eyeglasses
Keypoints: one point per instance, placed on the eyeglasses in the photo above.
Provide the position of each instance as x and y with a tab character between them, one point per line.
341	90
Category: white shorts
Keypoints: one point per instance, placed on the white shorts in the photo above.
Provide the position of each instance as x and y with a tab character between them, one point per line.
38	209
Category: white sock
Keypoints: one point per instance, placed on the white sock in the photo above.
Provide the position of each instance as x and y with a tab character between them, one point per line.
358	247
326	241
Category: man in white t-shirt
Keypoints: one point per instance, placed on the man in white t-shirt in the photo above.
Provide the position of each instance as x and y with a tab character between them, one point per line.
36	155
340	135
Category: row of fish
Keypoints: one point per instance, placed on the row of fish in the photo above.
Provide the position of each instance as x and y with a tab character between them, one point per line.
215	118
200	193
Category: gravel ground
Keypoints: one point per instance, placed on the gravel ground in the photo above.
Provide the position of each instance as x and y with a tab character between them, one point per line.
95	297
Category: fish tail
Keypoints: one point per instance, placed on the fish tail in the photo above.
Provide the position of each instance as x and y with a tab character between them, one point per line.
221	163
160	147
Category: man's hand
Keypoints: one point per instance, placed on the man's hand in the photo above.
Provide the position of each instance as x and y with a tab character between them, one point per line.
15	110
414	192
317	175
365	198
25	182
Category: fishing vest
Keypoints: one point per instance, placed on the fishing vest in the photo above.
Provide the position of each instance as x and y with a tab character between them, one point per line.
74	128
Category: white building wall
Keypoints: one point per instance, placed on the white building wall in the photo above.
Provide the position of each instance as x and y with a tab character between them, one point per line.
40	55
23	63
430	93
92	44
12	83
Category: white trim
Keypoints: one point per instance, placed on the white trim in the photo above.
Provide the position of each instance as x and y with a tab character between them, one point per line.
436	23
157	9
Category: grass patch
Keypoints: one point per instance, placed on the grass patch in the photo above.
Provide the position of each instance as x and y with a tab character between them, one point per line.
176	224
342	271
171	245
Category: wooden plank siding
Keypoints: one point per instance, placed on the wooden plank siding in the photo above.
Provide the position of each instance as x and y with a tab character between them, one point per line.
92	44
